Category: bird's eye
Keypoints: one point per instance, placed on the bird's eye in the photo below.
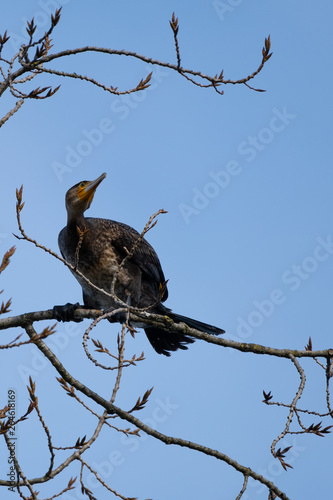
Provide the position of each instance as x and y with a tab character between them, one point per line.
82	184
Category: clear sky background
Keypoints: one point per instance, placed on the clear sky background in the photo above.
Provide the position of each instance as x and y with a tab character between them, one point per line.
241	250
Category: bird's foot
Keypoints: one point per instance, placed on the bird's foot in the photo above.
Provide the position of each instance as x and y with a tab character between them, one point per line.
117	317
66	312
121	317
131	329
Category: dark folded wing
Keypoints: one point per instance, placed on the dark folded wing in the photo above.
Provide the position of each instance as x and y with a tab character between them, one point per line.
123	238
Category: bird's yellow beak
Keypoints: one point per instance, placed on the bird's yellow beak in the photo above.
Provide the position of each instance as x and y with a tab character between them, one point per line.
87	189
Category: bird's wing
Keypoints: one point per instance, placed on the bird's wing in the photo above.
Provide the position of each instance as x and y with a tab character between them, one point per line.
61	242
123	238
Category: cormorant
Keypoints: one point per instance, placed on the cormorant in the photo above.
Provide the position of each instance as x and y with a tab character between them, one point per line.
98	252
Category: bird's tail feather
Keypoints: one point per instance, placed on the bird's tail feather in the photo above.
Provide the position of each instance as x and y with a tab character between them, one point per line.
165	342
193	323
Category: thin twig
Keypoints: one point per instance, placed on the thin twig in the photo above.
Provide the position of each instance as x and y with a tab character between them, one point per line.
292	406
99	479
25	481
130	252
86	337
328	378
175	27
49	440
299	410
121	349
68	488
11	112
242	491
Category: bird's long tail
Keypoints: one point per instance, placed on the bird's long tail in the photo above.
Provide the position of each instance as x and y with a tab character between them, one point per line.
193	323
165	342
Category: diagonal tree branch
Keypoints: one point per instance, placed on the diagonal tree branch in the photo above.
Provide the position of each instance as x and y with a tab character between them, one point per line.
110	408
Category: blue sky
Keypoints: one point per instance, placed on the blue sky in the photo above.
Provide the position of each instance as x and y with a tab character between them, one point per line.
246	179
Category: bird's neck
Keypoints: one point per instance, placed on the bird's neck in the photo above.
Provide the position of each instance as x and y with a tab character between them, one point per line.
74	221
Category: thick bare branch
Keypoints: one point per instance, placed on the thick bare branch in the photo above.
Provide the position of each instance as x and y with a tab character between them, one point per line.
167	324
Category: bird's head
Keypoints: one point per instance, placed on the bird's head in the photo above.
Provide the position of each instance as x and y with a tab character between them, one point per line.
80	196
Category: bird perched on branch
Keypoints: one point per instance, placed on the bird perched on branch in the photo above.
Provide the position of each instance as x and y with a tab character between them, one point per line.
116	258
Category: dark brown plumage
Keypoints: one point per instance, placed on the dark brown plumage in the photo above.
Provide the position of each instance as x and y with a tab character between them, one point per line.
103	247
